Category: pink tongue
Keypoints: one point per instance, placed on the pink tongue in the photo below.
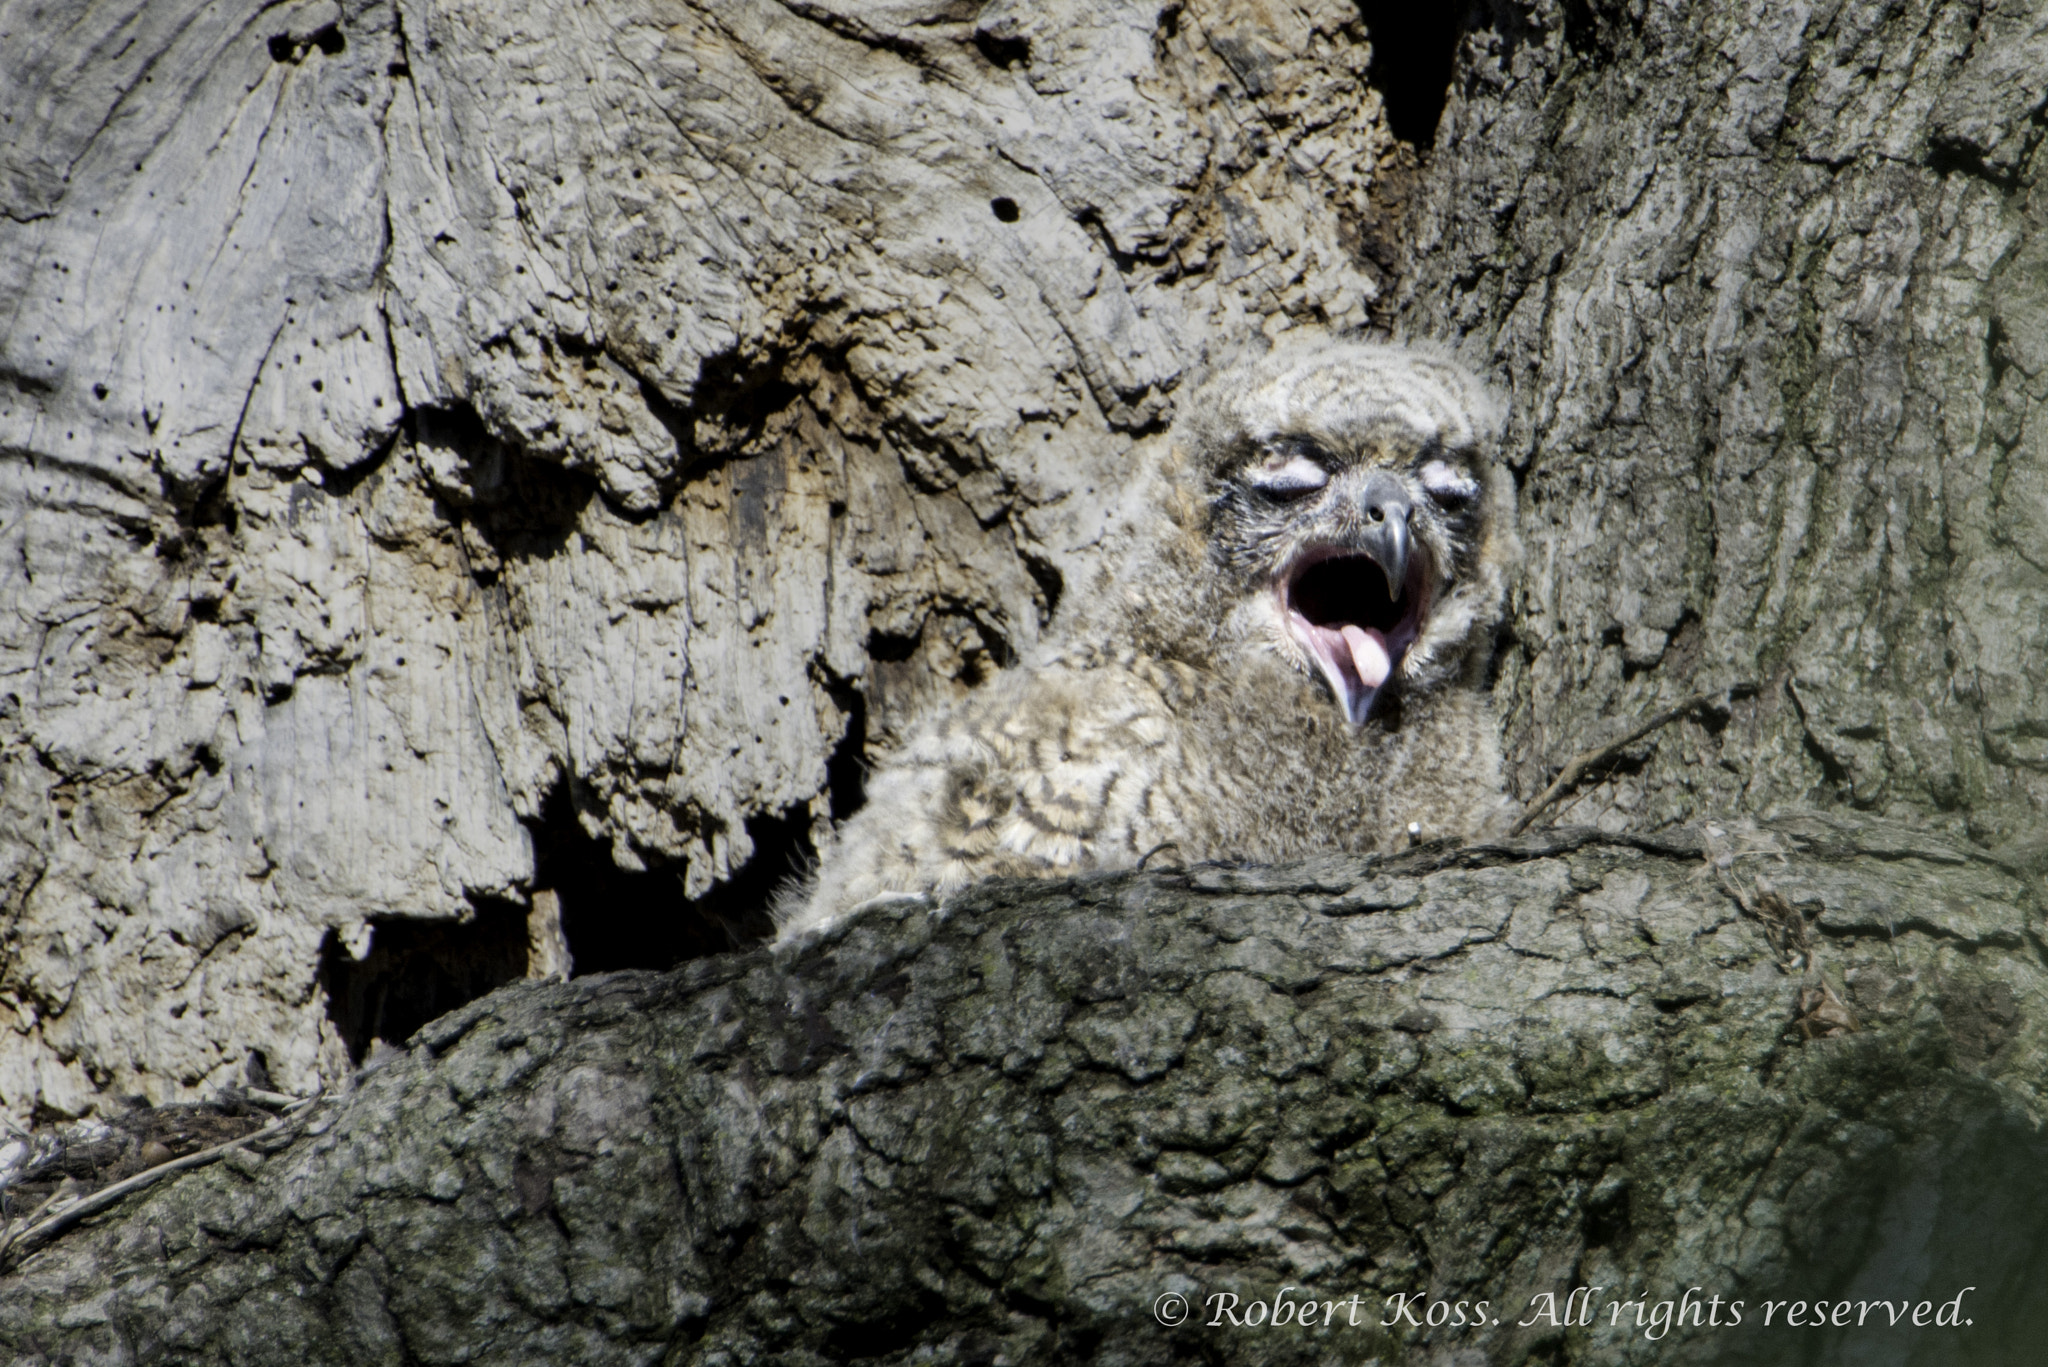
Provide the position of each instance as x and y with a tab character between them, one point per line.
1368	656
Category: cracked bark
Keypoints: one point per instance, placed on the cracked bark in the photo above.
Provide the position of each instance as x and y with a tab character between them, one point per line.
1000	1132
435	437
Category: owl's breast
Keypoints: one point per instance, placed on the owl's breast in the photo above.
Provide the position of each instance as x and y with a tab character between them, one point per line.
1267	768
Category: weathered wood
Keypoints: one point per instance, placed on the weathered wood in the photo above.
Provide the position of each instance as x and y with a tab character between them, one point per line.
411	416
1001	1131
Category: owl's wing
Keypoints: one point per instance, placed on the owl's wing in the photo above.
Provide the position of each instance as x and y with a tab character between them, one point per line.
1062	772
1057	770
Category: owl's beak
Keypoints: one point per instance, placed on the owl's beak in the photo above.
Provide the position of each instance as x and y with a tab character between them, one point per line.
1386	507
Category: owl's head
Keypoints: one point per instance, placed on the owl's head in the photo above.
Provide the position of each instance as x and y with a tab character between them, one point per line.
1357	512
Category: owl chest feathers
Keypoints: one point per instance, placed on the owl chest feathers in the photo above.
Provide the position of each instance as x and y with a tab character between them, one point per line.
1097	767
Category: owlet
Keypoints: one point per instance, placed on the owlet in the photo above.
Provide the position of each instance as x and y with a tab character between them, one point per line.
1289	658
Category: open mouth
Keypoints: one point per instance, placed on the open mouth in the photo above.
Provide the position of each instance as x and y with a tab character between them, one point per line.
1353	623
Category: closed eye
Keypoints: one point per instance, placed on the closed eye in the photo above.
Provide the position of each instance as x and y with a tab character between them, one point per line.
1287	476
1448	484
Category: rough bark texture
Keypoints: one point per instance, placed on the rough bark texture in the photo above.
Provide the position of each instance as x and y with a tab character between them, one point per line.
434	439
414	418
1770	281
417	416
999	1133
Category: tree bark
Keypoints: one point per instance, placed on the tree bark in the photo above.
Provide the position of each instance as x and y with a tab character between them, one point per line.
436	431
1003	1131
450	454
1769	282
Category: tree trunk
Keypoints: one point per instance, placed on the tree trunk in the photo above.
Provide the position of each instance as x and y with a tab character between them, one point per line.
453	454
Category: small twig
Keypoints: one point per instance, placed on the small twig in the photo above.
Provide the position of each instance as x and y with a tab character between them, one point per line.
7	1229
271	1101
1592	759
35	1236
1173	845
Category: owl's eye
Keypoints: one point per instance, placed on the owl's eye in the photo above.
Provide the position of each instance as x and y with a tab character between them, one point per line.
1446	483
1287	476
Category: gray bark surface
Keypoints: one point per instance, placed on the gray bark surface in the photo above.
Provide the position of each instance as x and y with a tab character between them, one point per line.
411	415
1000	1132
1769	281
416	419
414	415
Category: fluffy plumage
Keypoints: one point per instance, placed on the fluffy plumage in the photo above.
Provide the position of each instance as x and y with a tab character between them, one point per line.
1289	659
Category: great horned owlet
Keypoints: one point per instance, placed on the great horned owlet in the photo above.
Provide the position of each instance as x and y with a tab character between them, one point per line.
1290	658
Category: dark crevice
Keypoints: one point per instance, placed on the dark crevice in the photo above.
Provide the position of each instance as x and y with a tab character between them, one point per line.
1831	769
521	507
1126	262
286	48
1007	53
1607	1220
906	1326
1052	585
1953	158
418	970
1597	31
213	508
997	648
734	401
615	918
1997	352
890	648
846	772
1413	47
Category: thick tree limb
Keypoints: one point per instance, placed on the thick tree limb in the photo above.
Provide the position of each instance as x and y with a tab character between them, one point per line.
1007	1125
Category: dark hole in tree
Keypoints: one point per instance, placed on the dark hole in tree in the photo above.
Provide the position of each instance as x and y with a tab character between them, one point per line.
846	772
903	1323
1004	208
1006	53
1050	581
330	41
891	649
280	48
1412	51
614	918
419	970
1607	1222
